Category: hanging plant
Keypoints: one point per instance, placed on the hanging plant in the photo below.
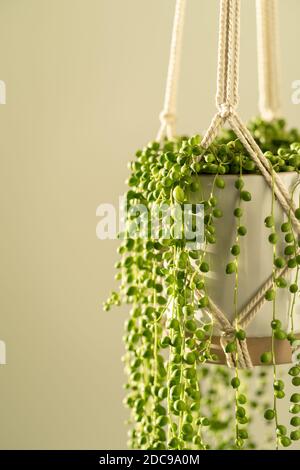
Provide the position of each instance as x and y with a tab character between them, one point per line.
189	221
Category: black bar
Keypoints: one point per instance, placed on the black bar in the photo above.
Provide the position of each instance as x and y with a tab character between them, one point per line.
135	459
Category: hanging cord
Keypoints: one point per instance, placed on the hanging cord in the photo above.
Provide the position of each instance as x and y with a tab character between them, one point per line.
260	160
168	115
227	82
228	65
227	101
268	58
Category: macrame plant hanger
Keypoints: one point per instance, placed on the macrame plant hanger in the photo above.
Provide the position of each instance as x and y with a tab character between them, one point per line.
227	99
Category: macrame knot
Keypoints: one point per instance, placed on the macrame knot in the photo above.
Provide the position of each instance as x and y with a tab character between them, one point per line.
228	332
241	357
225	110
167	117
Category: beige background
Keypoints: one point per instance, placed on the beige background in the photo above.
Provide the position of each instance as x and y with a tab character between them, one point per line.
85	82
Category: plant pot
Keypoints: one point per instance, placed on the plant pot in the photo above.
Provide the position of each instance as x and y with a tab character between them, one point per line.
256	257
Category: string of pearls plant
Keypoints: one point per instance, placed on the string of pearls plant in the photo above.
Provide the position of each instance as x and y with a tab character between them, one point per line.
177	398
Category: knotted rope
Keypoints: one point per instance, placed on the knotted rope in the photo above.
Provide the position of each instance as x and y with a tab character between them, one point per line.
227	101
243	319
168	114
241	358
268	58
227	97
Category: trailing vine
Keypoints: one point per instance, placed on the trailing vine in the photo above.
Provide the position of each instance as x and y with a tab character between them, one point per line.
176	389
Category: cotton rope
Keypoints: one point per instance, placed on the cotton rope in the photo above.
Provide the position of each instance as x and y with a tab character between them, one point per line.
168	114
268	58
243	319
227	101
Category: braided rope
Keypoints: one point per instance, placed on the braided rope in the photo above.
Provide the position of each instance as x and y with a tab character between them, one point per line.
217	122
168	114
228	334
245	317
221	70
264	161
228	61
232	55
228	65
229	50
235	93
279	188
